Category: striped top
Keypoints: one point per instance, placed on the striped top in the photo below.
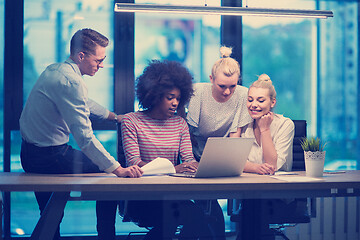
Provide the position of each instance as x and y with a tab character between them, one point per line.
145	138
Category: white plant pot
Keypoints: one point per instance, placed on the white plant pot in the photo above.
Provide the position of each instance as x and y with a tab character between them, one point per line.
314	163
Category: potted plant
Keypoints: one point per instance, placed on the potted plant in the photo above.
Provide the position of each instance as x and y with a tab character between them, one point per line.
314	156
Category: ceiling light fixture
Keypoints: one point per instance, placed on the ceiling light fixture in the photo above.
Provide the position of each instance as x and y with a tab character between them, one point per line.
234	11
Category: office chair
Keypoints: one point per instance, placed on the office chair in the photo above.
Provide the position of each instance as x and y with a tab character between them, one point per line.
300	210
298	152
276	214
122	204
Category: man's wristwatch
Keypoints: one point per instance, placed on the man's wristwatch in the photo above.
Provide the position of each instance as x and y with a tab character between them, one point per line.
116	118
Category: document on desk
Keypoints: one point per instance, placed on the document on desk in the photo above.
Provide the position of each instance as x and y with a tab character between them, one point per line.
289	178
158	166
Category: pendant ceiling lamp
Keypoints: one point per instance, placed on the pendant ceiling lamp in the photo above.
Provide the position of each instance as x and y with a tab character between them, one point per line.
233	11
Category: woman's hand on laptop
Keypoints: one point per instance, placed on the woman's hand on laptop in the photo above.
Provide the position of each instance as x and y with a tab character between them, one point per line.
187	167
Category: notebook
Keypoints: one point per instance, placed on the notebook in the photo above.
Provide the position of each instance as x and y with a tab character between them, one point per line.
222	157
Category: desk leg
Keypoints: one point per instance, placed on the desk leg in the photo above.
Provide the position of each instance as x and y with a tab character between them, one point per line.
50	219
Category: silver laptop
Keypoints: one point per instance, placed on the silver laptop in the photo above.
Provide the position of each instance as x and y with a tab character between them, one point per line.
222	157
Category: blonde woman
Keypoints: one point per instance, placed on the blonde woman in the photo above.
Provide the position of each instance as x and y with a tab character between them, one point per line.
218	109
271	151
274	133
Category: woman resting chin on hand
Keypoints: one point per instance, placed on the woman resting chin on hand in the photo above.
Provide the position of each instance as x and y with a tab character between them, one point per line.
273	133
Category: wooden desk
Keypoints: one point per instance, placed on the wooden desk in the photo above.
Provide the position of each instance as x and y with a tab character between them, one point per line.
109	187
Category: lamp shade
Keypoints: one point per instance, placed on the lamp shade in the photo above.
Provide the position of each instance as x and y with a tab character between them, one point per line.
234	11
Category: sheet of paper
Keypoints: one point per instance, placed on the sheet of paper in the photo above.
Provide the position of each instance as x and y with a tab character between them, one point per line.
155	176
297	178
158	166
281	173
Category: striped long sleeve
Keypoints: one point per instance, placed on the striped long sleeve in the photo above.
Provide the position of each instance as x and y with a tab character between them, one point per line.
145	139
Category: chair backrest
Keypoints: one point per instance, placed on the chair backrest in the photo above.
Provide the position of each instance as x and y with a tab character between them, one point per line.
298	153
119	147
122	204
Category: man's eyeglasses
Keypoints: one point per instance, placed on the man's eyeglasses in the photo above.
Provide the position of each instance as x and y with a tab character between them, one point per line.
98	61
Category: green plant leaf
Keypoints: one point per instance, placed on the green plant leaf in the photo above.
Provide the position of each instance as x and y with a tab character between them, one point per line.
312	144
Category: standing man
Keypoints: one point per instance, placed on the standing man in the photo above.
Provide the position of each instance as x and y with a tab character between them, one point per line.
57	106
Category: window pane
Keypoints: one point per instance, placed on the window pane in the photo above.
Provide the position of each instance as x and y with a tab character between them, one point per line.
339	96
284	49
191	39
321	89
48	28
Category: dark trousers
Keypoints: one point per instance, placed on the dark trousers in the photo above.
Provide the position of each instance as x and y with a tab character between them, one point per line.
63	159
164	217
214	216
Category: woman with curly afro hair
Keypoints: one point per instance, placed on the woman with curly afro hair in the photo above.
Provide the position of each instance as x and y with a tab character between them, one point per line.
157	131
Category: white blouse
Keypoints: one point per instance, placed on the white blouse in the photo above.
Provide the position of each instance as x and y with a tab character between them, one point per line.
282	131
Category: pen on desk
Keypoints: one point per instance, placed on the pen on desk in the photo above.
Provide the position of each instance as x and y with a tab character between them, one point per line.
333	171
